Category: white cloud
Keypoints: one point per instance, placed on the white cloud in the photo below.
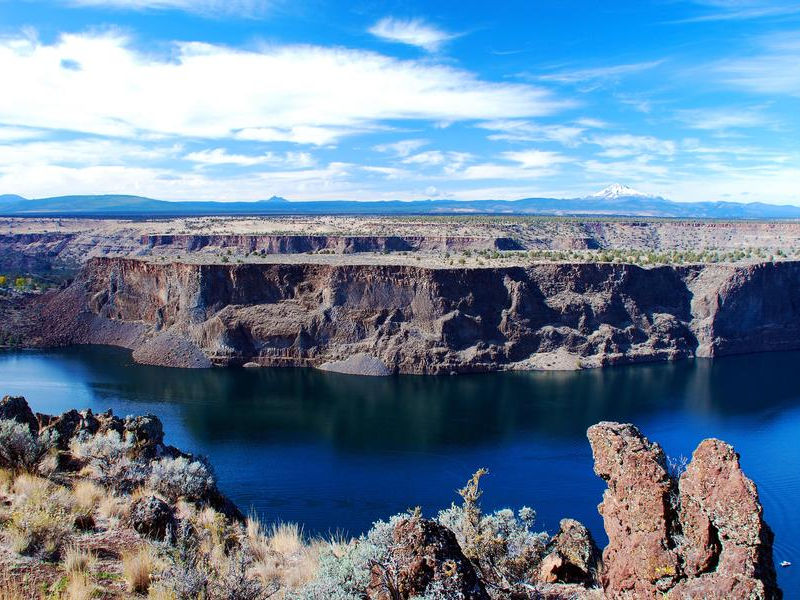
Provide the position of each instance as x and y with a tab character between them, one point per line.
13	134
530	164
535	159
332	181
524	131
635	170
80	153
722	118
451	162
220	156
388	172
239	8
303	94
401	148
619	146
428	158
413	32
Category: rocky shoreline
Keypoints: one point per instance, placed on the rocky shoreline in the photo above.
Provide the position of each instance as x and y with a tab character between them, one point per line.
369	319
108	488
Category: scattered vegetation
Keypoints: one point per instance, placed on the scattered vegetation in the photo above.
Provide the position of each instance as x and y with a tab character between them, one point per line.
19	449
138	569
208	555
181	478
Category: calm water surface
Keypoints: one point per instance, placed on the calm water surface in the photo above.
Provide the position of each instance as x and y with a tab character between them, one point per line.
336	452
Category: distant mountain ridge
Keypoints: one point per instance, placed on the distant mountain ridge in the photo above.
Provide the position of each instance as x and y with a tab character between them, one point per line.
614	201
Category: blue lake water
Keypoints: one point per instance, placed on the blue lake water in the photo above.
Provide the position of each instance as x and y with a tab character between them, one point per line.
336	452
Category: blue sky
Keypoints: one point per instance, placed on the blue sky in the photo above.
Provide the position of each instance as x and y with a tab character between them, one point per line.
312	99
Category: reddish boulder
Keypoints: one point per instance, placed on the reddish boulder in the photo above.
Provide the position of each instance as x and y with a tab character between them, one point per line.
639	560
727	550
573	557
424	552
701	537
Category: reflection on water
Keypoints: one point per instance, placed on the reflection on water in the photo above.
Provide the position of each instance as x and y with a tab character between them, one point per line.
336	452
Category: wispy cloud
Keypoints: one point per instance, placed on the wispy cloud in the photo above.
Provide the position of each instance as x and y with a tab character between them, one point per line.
81	152
450	162
413	32
722	119
619	146
612	72
401	148
239	8
739	10
525	131
220	156
772	69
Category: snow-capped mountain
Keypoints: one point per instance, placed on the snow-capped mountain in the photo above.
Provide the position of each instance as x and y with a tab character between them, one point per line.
617	190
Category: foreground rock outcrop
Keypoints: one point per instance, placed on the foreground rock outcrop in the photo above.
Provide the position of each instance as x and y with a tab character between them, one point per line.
401	319
424	553
107	486
702	536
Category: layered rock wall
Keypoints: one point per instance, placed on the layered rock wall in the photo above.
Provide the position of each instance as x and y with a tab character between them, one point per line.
298	244
423	320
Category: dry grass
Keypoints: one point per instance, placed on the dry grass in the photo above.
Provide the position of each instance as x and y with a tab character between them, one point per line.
159	592
281	557
78	560
80	587
26	485
111	507
11	589
6	480
286	538
87	496
138	569
40	518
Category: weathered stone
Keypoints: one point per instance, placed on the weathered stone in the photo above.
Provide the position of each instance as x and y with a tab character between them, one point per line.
639	560
152	517
16	408
72	423
727	546
702	538
424	552
109	422
574	556
146	431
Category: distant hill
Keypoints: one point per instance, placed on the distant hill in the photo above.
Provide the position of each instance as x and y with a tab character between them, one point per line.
615	200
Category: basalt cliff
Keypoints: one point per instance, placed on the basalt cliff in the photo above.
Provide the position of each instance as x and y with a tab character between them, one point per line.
383	319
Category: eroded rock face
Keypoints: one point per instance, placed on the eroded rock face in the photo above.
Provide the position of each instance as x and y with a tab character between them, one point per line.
703	537
640	558
145	431
424	552
71	424
398	318
15	408
728	546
